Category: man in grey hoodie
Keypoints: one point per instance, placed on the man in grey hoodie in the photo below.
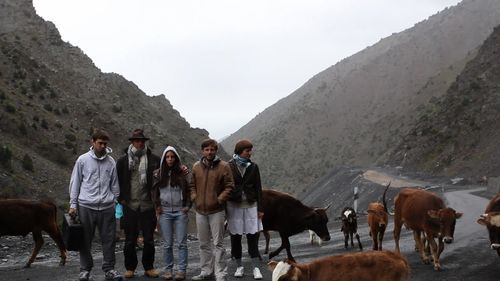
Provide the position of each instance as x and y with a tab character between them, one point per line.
93	192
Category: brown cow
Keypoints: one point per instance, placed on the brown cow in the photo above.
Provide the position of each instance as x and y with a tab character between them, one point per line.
491	219
288	216
378	219
423	211
366	266
20	217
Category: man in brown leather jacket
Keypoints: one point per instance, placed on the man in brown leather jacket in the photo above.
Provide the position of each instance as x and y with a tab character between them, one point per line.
211	186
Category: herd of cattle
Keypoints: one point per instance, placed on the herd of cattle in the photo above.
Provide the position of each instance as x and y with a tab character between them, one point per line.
423	212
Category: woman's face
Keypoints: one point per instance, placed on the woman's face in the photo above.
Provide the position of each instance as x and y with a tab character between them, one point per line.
246	153
170	158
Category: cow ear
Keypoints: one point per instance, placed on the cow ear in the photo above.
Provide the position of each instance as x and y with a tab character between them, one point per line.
458	215
433	214
272	265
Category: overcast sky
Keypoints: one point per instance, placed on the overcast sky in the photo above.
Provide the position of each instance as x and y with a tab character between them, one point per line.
220	63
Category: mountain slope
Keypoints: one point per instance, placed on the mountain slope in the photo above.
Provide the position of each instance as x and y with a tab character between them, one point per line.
51	98
459	132
354	111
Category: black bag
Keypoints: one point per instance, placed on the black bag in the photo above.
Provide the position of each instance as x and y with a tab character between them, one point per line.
72	230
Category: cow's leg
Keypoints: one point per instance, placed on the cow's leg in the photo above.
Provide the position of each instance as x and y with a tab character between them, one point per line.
381	237
37	236
287	247
359	242
417	235
434	250
281	247
351	234
346	239
397	232
268	238
441	246
375	240
55	234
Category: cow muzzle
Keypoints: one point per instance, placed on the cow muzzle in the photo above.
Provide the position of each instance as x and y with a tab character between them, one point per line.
495	246
326	238
448	239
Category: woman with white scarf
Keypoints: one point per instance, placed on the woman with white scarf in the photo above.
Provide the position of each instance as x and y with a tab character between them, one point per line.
244	215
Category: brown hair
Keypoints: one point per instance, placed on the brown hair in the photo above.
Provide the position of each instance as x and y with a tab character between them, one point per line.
210	142
100	134
242	145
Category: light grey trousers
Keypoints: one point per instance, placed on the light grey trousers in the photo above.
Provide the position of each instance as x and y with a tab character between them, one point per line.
105	222
212	253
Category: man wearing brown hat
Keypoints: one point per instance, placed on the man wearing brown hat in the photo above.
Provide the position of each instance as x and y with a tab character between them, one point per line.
135	175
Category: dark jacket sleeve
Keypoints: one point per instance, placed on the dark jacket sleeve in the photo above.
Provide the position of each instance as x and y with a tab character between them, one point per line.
258	187
155	189
123	178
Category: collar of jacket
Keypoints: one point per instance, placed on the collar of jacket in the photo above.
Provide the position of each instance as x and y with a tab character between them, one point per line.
215	162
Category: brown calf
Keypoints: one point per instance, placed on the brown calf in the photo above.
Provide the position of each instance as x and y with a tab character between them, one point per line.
423	211
361	266
20	217
378	219
491	219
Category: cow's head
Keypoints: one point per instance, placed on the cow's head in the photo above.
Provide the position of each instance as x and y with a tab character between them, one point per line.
348	215
447	219
317	221
492	222
378	214
284	271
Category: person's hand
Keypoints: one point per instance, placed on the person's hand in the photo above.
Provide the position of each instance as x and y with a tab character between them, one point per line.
260	215
184	170
158	211
72	212
185	210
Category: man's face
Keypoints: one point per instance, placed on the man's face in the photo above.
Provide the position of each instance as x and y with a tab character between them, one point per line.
139	144
209	152
99	146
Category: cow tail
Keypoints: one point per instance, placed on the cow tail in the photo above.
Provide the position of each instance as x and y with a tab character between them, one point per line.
383	198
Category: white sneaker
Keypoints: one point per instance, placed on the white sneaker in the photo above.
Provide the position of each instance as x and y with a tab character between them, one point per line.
256	274
239	272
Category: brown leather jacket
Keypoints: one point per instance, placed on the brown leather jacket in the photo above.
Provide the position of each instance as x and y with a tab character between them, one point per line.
211	186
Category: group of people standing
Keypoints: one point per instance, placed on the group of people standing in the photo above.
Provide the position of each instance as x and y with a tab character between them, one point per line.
160	191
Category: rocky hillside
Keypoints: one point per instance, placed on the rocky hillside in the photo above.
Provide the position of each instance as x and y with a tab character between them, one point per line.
51	98
458	133
355	111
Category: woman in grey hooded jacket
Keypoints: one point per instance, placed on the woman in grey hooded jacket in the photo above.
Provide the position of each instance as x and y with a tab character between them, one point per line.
171	199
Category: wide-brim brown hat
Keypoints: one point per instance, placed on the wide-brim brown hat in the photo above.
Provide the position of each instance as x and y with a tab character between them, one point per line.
138	134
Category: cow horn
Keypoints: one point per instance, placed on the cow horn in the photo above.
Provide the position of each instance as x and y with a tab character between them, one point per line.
329	205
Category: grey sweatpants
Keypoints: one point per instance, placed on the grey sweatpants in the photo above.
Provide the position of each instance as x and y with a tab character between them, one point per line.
105	222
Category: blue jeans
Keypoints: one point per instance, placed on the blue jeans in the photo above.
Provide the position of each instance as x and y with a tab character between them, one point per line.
178	221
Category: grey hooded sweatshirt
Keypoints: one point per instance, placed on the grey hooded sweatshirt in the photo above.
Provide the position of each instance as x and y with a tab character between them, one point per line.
94	183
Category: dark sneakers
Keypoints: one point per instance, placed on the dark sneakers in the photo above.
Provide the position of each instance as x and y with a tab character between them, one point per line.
113	275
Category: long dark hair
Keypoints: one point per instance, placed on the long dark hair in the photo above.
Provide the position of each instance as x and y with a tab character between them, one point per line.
175	172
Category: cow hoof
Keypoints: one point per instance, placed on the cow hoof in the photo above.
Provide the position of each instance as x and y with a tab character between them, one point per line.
426	261
437	267
27	265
